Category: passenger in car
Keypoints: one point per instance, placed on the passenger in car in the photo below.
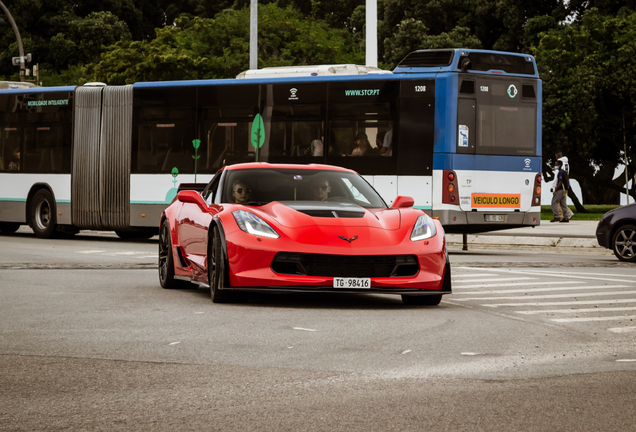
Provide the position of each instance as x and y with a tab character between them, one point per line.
241	191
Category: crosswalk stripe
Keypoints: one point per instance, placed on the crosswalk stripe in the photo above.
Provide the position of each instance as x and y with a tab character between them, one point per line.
551	274
622	329
472	275
535	282
531	290
584	310
612	318
552	295
496	280
583	302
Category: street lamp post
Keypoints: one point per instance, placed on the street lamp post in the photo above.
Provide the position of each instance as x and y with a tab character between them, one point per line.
17	61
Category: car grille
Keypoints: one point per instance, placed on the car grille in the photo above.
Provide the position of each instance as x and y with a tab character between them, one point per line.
345	265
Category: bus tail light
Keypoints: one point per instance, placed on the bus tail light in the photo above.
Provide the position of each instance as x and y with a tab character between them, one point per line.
536	193
449	190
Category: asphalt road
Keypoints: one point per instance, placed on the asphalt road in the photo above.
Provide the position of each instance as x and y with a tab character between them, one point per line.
530	340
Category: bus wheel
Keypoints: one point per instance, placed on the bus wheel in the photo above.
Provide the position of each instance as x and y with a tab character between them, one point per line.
43	217
9	227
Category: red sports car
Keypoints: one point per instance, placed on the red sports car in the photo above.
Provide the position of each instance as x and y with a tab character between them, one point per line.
300	228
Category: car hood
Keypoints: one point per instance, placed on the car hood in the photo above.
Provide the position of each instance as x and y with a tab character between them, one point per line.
302	214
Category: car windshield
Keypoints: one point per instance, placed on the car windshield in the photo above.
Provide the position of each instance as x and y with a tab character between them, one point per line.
262	186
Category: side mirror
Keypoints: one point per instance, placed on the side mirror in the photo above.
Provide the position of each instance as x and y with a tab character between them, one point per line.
192	197
403	202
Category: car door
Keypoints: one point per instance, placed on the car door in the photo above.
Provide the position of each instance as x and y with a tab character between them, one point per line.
194	222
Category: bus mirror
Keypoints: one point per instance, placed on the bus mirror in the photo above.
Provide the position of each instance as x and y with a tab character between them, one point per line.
403	202
193	197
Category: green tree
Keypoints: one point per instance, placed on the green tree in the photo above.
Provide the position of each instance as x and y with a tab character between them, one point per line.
590	98
202	48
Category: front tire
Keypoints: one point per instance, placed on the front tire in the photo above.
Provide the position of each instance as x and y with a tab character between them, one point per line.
624	243
9	227
217	270
422	300
166	260
137	234
43	215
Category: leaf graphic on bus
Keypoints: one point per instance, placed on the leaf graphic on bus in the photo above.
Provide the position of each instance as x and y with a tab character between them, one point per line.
175	172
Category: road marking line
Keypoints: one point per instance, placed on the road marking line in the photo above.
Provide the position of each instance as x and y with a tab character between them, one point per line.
626	360
622	329
544	273
90	251
582	287
565	311
471	275
584	302
498	280
126	253
304	329
552	295
535	282
406	352
611	318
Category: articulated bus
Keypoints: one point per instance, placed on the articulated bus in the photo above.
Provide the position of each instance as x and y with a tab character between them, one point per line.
458	130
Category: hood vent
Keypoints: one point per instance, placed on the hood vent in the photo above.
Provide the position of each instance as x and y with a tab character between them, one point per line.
328	209
334	213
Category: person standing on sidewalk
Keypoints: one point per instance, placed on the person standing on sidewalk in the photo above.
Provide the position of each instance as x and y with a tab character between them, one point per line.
560	196
566	166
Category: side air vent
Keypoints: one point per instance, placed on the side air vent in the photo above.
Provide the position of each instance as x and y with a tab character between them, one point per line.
468	87
334	213
527	92
427	59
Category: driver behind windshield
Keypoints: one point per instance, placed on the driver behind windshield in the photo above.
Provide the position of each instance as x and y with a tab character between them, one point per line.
241	191
320	188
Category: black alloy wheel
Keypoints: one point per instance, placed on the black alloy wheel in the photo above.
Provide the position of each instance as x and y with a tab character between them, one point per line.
624	243
43	216
217	272
166	260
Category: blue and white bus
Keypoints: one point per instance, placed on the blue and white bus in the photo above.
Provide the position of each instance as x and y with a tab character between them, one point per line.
458	130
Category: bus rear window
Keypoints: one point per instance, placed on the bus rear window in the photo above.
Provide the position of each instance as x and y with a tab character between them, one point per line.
506	130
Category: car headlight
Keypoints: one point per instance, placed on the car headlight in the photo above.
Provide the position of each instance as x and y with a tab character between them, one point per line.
252	224
424	228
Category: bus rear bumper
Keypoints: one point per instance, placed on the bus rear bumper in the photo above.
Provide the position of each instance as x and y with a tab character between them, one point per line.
459	222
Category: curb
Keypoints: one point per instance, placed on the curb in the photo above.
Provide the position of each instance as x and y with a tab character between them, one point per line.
494	240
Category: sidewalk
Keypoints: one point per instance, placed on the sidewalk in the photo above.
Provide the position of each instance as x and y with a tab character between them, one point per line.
575	234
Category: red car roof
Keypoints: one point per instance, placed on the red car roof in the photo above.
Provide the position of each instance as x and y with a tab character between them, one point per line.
252	165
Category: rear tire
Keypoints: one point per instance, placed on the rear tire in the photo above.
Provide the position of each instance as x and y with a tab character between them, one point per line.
166	260
217	270
43	214
9	227
624	243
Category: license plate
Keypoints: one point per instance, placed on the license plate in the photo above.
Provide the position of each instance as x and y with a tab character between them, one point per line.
353	283
495	218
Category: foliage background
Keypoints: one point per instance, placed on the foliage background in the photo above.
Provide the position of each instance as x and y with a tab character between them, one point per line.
585	50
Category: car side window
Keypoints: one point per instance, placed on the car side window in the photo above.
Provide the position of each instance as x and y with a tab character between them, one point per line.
210	190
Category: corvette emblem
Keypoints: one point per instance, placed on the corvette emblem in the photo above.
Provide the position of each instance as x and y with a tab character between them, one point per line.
348	239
